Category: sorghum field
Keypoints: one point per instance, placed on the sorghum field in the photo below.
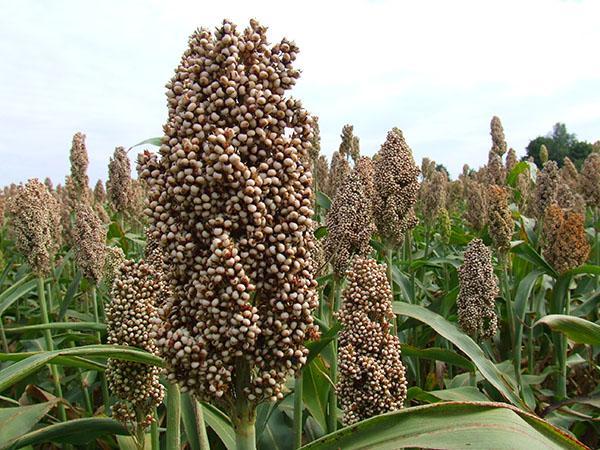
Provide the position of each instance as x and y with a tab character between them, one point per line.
243	292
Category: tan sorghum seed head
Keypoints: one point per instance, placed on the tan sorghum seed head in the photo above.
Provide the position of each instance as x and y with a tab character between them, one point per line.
545	189
511	160
112	262
119	180
525	187
432	196
350	219
35	224
130	315
565	244
543	154
339	171
49	184
137	199
498	140
569	174
371	374
427	167
445	226
315	148
396	186
230	203
99	192
455	194
79	165
500	221
350	145
590	180
321	173
90	243
478	290
355	152
476	204
568	199
495	170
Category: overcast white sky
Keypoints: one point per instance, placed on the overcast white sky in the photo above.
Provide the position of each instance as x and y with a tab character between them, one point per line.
439	70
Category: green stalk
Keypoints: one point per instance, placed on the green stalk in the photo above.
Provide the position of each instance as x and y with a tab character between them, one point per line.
332	400
390	273
154	433
561	354
530	347
244	412
103	383
50	346
173	417
515	330
201	425
3	337
298	407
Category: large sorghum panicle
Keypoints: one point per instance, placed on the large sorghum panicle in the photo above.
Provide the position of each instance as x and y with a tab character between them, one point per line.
129	316
35	223
350	145
476	204
565	244
511	160
90	243
371	374
339	171
119	180
396	187
495	170
230	204
590	180
350	219
568	199
321	173
455	195
569	174
112	262
79	166
497	133
315	148
500	221
478	290
545	189
432	196
99	193
427	167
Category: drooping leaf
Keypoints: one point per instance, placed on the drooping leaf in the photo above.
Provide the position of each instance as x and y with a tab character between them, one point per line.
15	422
439	354
323	201
156	141
220	424
15	292
528	253
315	391
575	328
75	326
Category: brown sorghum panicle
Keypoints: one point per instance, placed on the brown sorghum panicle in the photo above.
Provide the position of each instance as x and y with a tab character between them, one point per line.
500	221
35	223
476	204
339	171
590	180
79	166
565	244
568	199
495	170
371	374
90	242
569	174
427	167
230	203
321	173
497	133
478	290
129	318
455	195
396	187
119	180
433	196
315	148
545	189
112	262
511	160
99	193
49	184
445	224
350	219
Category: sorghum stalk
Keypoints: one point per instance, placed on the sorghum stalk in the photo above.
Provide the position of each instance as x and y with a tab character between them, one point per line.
154	432
103	383
298	407
332	399
50	346
201	425
173	417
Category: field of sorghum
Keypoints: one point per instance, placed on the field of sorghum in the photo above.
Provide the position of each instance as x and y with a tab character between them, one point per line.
244	293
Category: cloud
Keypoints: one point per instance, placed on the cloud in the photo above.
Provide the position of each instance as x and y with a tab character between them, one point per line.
438	70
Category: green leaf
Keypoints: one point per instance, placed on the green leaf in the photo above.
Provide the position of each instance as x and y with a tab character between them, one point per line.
458	394
76	326
575	328
315	347
315	391
321	232
157	141
323	201
449	331
68	298
188	417
439	354
452	425
15	292
77	431
220	424
520	167
18	421
67	361
528	253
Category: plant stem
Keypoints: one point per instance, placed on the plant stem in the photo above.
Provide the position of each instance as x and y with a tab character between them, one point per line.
154	433
513	327
3	336
298	411
332	400
173	417
50	346
103	383
530	347
243	413
561	353
201	425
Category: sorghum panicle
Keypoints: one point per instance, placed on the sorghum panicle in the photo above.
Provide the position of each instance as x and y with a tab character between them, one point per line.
371	374
545	189
500	221
119	180
565	244
590	180
432	195
511	160
90	242
79	166
569	174
476	204
498	139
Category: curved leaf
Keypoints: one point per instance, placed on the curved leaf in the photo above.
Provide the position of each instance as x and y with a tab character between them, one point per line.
15	292
157	141
220	424
449	331
439	354
76	326
528	253
452	425
18	421
575	328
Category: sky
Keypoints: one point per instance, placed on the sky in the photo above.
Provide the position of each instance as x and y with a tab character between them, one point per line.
438	70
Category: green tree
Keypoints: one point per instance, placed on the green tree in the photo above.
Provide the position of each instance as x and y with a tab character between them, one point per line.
560	143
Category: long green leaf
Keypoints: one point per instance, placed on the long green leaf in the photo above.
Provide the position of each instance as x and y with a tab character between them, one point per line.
15	422
76	326
156	141
449	331
67	361
77	431
316	347
452	425
528	253
575	328
220	424
439	354
315	391
15	292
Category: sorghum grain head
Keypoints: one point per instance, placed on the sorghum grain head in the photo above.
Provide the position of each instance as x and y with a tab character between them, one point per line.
339	171
590	180
478	290
543	154
569	174
495	171
568	199
476	204
315	148
432	196
99	193
119	180
500	221
79	166
497	133
35	224
547	183
565	245
427	167
511	159
49	184
90	243
371	374
445	226
321	173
